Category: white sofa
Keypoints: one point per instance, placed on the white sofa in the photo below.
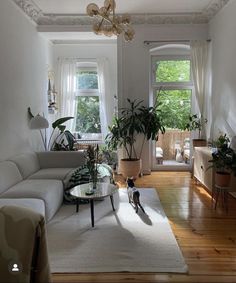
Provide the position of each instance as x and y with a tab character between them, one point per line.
35	180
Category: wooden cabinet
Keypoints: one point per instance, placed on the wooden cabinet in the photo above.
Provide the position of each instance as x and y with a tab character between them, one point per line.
201	157
206	177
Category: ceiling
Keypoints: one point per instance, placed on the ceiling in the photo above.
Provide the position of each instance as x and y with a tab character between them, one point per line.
65	16
125	6
73	12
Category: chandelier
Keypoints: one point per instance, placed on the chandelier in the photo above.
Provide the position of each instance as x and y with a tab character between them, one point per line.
108	23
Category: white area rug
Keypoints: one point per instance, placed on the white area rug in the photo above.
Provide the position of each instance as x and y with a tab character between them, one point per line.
120	241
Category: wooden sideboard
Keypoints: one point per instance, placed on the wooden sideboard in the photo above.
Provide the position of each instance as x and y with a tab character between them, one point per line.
202	155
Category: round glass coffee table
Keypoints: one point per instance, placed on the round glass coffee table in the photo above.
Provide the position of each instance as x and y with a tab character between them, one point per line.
84	192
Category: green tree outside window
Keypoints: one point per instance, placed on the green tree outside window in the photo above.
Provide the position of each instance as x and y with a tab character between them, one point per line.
173	71
87	80
174	104
88	117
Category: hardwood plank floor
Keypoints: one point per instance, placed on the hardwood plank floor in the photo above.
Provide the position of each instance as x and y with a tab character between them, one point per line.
207	237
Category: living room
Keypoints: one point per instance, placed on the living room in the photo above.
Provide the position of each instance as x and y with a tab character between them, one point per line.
32	40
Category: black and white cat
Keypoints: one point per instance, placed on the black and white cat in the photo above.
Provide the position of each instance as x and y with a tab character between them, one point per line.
133	195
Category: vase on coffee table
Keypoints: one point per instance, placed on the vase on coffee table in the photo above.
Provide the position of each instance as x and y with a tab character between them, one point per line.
92	164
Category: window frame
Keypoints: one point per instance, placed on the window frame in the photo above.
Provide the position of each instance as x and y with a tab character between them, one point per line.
156	86
88	93
176	84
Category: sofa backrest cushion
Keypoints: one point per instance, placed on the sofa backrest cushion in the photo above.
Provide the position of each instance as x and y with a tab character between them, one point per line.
9	175
61	159
27	163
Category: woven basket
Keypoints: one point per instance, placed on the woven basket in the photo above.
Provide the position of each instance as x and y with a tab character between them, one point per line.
130	168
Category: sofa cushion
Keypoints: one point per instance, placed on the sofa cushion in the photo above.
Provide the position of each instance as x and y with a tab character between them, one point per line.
27	163
61	159
50	191
37	205
9	175
51	173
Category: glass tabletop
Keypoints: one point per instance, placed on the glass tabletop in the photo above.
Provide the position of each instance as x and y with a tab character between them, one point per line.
102	190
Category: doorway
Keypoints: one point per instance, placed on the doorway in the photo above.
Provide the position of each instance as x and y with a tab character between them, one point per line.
173	148
172	90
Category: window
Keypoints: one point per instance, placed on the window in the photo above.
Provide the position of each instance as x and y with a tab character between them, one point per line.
87	79
88	105
175	107
172	76
172	88
172	71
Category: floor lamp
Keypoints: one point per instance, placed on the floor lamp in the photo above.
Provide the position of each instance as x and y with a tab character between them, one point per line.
39	123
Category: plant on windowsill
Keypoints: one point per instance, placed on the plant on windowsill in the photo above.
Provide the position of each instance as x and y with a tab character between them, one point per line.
223	161
133	121
196	123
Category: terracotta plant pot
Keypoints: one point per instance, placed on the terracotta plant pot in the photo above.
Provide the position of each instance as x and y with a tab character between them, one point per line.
222	179
130	168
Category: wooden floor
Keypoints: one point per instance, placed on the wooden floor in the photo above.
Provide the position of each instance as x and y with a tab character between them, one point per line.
207	237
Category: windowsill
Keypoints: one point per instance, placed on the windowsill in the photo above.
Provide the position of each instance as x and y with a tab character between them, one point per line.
87	141
90	138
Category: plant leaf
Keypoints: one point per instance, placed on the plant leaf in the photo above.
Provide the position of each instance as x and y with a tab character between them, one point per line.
60	121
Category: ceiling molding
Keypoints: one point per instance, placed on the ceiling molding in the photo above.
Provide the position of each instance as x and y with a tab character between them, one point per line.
89	42
30	9
41	19
214	8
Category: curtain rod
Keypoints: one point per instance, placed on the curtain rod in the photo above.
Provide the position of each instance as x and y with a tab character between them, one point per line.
76	58
147	42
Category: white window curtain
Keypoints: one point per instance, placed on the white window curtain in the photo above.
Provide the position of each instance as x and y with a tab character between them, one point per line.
200	72
105	94
67	79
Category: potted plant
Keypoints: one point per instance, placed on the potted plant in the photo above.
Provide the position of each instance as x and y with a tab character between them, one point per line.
92	164
196	123
60	139
223	161
133	121
108	156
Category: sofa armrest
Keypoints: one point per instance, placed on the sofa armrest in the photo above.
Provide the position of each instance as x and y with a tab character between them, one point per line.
61	159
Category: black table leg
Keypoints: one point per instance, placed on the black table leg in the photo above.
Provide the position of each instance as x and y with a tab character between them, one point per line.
112	203
92	211
77	205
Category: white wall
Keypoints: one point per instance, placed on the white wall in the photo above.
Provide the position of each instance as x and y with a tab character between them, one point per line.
134	64
23	80
222	33
93	51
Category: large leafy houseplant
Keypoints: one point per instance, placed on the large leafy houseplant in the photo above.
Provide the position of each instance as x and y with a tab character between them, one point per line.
196	123
133	121
223	160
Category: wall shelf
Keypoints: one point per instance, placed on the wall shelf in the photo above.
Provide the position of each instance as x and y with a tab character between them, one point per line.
52	98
